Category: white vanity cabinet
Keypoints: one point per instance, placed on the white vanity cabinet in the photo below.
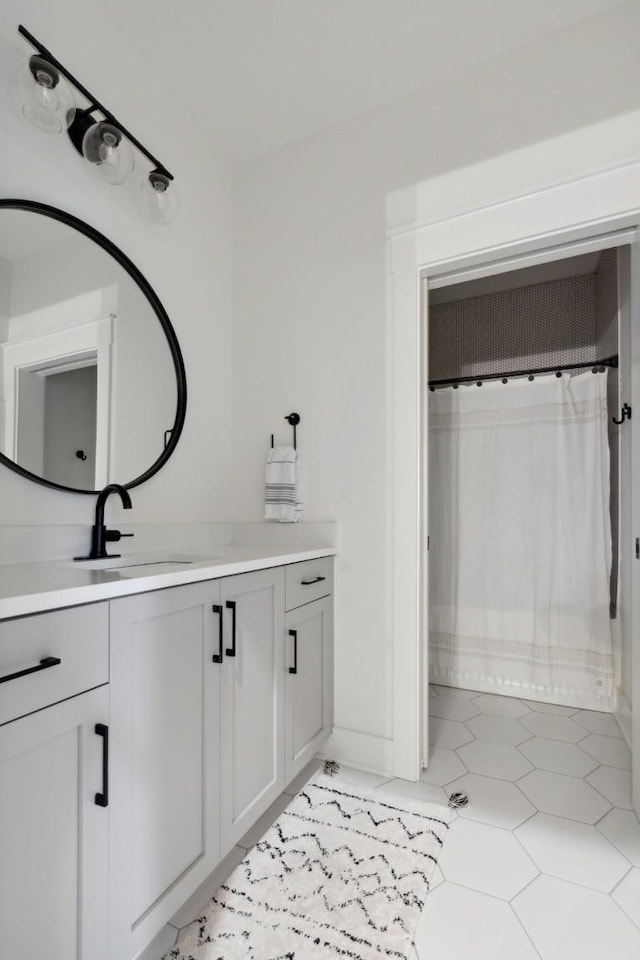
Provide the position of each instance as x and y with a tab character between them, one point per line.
165	774
197	738
309	661
54	790
252	699
140	738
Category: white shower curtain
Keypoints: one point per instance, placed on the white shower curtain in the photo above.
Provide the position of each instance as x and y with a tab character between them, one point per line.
520	538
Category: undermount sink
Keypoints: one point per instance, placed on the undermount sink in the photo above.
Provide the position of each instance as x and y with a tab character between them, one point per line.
144	565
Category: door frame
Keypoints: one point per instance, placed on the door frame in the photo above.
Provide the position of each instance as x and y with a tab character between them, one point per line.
539	223
53	352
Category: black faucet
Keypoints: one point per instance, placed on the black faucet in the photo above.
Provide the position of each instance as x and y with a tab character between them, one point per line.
100	536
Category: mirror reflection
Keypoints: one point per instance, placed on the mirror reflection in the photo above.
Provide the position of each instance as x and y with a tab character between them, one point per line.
88	387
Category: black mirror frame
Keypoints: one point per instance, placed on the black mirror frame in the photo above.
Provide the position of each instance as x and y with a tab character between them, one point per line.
165	323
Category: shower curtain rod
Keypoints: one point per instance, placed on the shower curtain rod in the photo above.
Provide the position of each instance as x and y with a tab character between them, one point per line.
596	367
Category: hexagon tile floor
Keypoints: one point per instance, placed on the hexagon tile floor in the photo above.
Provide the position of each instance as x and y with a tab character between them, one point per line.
543	864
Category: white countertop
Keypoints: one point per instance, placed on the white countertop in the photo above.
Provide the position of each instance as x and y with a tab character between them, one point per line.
35	587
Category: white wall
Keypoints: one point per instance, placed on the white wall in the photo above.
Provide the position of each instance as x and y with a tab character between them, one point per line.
5	291
310	297
187	262
5	294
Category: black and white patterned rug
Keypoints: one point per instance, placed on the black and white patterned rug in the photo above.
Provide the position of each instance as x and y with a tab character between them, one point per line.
341	874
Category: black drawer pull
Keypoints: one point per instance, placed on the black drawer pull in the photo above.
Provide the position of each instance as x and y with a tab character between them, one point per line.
294	634
43	665
217	657
231	651
102	799
307	583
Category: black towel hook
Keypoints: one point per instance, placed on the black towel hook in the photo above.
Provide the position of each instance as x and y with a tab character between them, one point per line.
625	414
293	419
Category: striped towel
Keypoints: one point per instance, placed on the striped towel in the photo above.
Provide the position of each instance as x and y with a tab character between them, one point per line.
282	486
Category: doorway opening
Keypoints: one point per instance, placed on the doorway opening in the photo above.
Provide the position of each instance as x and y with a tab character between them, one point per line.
56	419
527	480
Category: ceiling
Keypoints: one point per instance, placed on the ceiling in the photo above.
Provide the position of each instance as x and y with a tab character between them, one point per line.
562	269
266	73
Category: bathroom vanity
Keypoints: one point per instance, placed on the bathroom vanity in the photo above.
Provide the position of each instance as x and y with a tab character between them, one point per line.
149	714
151	707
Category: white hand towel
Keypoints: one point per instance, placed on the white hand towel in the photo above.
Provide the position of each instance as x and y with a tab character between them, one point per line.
282	498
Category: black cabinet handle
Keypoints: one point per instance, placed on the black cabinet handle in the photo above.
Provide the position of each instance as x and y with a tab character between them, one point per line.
294	634
43	665
307	583
217	657
102	799
231	651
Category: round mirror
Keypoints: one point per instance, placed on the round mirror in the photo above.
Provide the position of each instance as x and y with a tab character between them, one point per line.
92	383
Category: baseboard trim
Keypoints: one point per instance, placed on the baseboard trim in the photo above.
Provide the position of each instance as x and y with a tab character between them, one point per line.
622	713
163	941
362	750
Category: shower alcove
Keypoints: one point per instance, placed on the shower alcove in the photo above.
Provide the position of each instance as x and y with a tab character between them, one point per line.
523	526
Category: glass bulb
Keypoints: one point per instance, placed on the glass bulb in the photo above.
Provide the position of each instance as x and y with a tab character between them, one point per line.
43	95
158	199
104	145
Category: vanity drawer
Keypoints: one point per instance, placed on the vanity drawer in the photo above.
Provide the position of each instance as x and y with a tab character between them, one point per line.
78	637
308	581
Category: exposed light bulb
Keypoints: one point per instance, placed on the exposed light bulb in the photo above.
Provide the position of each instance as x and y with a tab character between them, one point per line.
158	199
104	145
43	96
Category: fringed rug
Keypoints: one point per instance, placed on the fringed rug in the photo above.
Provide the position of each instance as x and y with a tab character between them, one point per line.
341	874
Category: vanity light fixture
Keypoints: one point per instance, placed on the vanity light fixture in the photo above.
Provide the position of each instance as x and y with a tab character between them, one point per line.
43	89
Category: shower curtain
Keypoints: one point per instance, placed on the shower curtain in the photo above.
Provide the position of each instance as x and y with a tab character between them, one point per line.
520	539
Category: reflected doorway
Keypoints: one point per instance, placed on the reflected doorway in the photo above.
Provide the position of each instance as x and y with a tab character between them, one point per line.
56	426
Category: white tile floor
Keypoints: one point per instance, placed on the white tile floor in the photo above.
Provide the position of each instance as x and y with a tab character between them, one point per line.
543	864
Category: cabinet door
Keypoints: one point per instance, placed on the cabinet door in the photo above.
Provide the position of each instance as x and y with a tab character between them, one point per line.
309	683
165	701
53	835
252	699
